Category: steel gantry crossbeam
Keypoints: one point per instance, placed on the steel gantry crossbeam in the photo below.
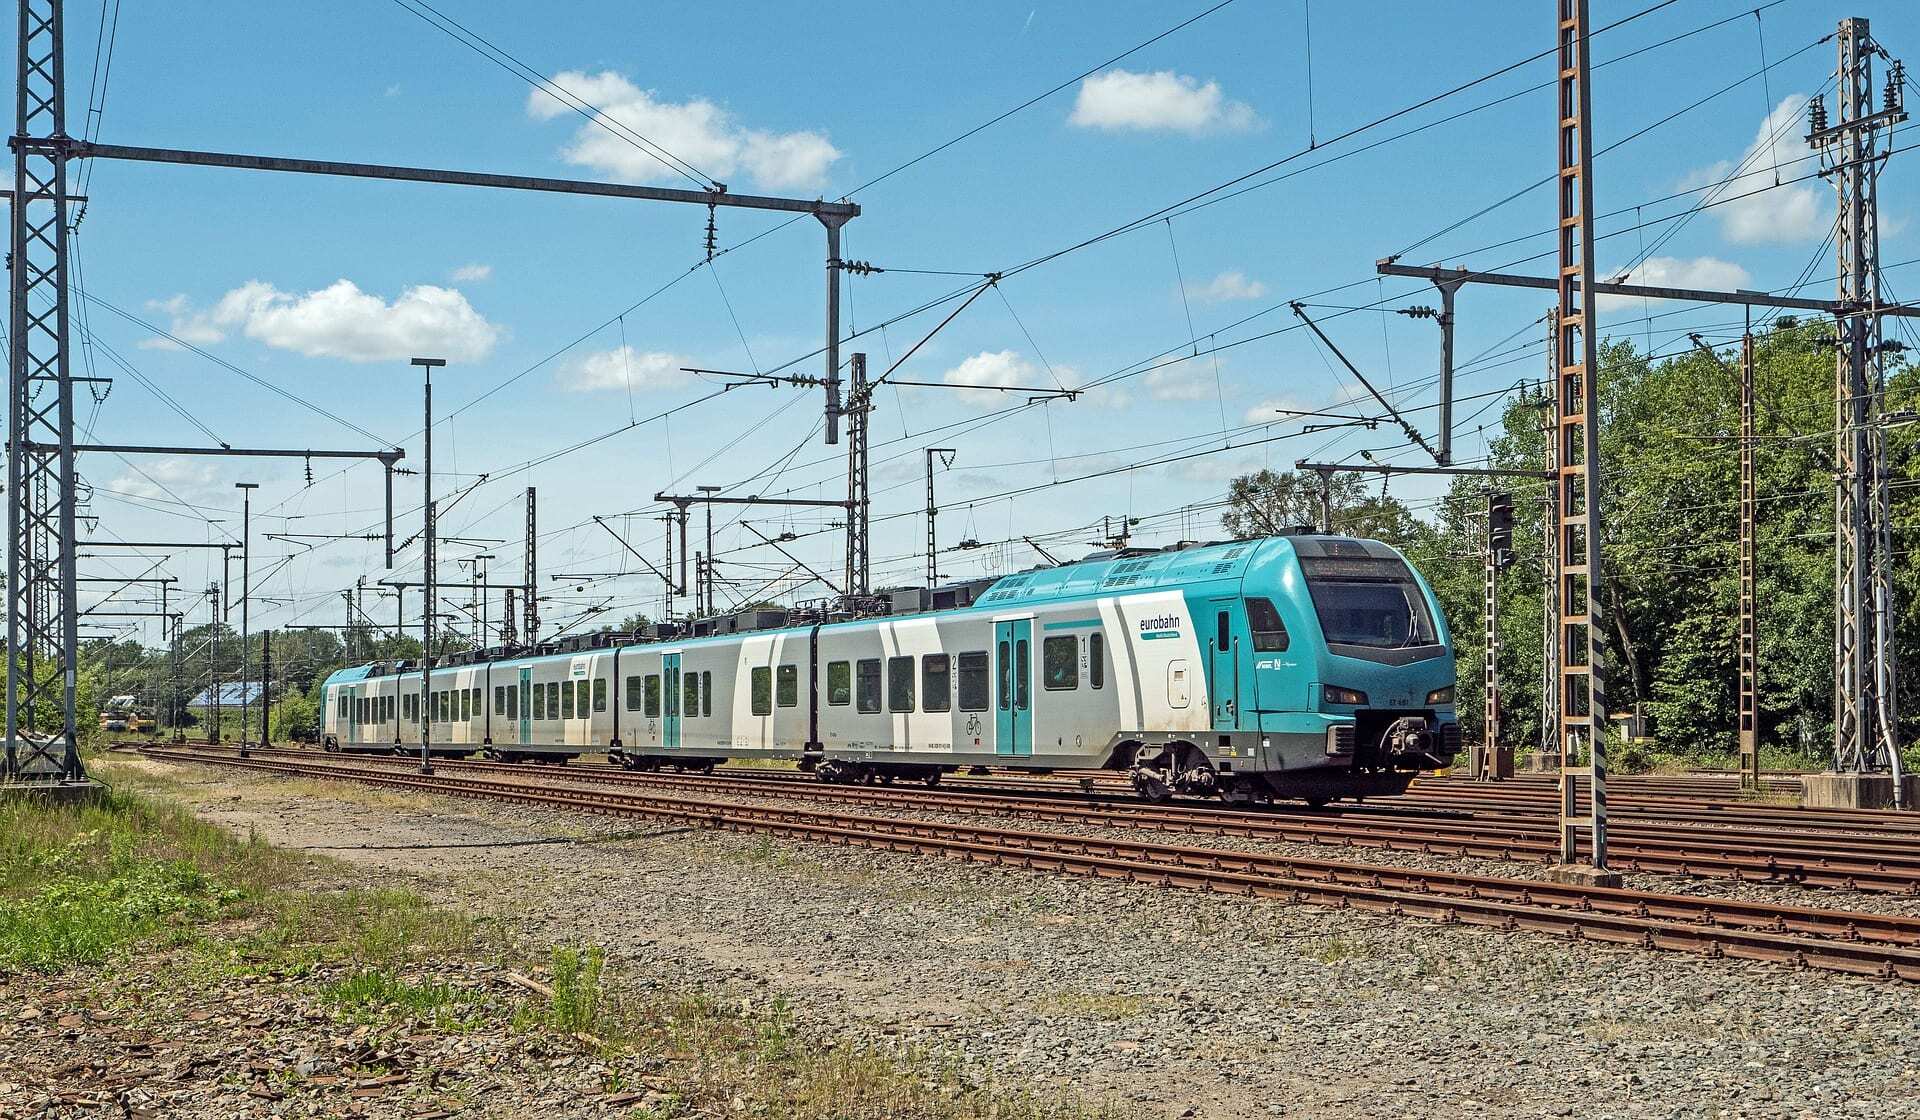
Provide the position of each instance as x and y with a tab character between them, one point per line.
41	493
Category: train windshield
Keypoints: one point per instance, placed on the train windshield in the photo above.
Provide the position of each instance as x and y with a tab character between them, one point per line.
1368	601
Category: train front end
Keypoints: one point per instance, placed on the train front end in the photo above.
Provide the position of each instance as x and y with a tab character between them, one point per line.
1362	695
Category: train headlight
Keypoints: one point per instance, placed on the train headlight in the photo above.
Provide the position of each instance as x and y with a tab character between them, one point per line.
1441	695
1334	694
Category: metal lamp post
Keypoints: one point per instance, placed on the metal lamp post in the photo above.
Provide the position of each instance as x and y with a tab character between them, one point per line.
427	366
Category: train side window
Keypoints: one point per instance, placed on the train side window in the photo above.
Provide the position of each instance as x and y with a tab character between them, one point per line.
839	683
393	703
633	693
584	708
539	702
1269	633
513	701
553	699
1022	675
900	684
499	699
566	700
706	692
762	691
868	697
653	696
787	686
1060	662
936	682
599	694
1097	661
690	693
1006	675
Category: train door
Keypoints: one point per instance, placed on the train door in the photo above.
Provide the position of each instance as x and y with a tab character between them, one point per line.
353	715
670	699
1223	665
526	705
1013	714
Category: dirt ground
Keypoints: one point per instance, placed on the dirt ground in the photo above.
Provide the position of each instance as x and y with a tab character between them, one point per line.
1172	1003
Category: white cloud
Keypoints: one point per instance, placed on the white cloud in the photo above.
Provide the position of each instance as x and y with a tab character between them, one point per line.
996	367
1228	286
341	321
1186	381
1757	210
190	479
697	131
1120	100
1673	272
1268	411
623	366
469	273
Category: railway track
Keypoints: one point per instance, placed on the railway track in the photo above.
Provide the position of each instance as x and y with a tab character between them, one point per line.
1878	945
1842	860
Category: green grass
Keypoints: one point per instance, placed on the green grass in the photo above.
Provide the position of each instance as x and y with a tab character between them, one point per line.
137	874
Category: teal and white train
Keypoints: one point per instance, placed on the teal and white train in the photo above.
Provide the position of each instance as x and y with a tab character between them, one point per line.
1304	666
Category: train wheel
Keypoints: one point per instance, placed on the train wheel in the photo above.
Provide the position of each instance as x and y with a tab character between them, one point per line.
932	779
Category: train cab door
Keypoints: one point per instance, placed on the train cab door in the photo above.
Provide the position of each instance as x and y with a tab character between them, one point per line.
1223	664
670	700
1013	677
525	709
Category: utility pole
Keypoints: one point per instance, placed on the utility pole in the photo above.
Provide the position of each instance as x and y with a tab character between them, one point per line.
43	637
946	455
175	704
426	649
858	407
432	600
706	565
1582	669
1866	669
213	657
246	589
672	588
266	687
1492	763
508	637
531	606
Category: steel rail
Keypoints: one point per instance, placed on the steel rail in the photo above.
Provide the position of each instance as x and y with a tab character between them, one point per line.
1843	941
1847	862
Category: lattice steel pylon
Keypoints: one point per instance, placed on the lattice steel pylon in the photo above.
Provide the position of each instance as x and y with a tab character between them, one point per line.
1866	670
42	634
1576	402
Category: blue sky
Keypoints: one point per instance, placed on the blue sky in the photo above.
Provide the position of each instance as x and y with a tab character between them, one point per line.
324	287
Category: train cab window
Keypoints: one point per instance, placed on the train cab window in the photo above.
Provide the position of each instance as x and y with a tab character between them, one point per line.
1060	661
706	693
900	684
1269	633
787	686
839	683
690	694
868	696
599	694
653	696
633	693
973	681
1097	660
762	691
566	700
936	682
